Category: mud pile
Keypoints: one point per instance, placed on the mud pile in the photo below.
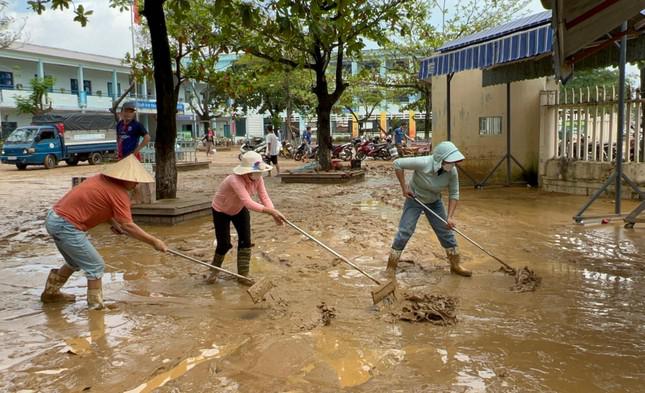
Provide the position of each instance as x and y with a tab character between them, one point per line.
425	307
526	280
327	313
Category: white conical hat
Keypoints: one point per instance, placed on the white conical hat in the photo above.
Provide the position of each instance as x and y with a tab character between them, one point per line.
251	163
129	169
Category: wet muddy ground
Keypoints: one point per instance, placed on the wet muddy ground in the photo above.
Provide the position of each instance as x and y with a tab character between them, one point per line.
583	330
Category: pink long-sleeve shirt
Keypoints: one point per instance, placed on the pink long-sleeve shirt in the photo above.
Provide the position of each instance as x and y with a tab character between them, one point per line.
235	193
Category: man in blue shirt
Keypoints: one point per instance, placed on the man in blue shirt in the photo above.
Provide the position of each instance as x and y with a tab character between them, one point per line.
306	138
129	132
399	136
307	135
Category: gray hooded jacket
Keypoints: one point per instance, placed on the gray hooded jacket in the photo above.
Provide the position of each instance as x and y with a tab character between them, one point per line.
426	183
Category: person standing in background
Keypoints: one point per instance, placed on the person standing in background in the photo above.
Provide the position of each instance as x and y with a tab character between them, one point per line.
129	133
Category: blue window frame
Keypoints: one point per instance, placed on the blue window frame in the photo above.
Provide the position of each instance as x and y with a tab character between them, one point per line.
6	80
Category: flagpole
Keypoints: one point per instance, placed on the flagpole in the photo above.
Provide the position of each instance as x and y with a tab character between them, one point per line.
134	4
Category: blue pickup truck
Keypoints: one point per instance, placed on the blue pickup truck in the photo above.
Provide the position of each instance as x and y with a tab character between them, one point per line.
53	138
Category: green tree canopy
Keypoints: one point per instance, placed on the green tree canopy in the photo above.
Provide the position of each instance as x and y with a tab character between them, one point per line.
269	87
310	34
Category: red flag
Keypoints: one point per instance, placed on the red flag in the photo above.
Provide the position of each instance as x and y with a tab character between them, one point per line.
135	10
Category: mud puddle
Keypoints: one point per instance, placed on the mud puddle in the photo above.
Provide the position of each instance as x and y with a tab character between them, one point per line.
581	330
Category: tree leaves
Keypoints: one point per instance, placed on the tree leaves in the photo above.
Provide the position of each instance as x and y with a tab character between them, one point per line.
36	103
81	15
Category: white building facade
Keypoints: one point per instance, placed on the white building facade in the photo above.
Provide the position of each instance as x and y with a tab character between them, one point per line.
83	82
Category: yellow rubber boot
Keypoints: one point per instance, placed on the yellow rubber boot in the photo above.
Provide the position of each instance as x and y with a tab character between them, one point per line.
455	262
393	261
52	293
95	299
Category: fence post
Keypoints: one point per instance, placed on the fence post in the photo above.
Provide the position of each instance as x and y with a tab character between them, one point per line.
548	129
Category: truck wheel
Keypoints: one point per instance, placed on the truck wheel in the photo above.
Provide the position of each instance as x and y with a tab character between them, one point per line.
72	161
50	161
21	166
95	158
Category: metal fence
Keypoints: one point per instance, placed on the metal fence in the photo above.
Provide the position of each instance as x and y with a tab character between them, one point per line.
185	152
587	125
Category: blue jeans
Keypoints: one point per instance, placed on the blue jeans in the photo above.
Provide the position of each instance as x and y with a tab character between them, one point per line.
75	247
411	212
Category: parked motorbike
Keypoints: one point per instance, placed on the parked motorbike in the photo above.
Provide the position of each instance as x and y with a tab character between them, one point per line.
373	149
305	150
251	144
287	150
344	152
259	148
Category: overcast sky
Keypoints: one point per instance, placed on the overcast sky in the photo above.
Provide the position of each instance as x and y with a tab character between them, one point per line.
107	33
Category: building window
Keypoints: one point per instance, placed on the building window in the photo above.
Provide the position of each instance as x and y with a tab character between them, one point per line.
6	80
491	125
372	65
111	92
87	86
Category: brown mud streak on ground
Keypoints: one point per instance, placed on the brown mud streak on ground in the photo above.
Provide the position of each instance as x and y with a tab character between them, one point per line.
593	278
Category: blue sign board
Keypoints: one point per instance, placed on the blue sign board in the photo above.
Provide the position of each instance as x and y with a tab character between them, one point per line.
152	105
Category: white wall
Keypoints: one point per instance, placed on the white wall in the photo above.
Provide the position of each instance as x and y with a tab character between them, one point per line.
23	71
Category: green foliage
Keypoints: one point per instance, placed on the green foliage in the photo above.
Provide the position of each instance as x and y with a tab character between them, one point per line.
37	100
364	94
311	34
593	78
258	83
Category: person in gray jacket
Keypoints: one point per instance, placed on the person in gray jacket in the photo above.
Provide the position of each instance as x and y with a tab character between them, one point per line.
431	175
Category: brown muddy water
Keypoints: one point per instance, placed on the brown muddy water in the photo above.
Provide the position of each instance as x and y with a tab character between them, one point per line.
583	330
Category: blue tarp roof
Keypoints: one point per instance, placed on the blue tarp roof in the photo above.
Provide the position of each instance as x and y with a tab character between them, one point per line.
519	39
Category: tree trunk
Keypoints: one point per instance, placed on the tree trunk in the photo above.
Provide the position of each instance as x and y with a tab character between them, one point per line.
642	88
642	95
427	121
323	111
166	171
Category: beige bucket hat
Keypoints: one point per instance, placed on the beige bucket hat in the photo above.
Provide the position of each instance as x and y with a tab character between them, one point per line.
129	169
251	163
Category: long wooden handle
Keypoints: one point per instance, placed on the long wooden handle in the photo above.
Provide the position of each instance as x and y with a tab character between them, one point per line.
209	265
462	234
342	258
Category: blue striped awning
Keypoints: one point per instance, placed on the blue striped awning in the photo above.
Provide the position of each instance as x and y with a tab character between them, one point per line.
521	39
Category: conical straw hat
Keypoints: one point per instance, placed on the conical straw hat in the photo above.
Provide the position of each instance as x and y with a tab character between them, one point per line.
129	169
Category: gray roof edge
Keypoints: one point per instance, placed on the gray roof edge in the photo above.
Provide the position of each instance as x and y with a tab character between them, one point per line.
527	22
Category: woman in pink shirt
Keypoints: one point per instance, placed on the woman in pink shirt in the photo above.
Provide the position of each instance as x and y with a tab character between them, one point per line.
231	204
